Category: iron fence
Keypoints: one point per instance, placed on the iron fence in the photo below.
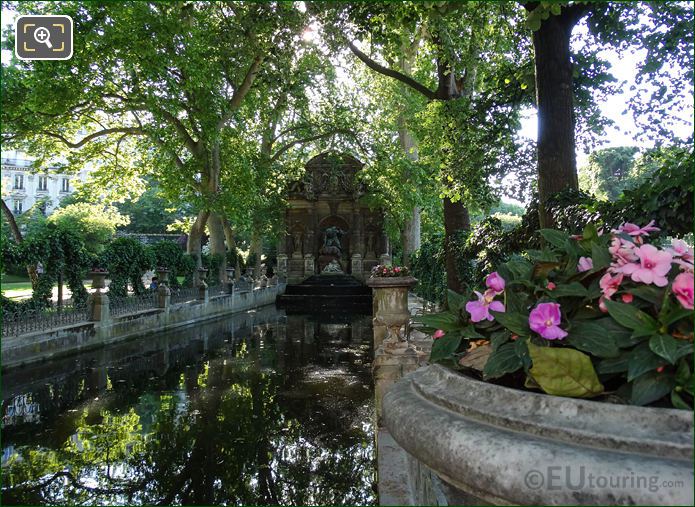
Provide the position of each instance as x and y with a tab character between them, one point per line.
184	294
130	304
24	319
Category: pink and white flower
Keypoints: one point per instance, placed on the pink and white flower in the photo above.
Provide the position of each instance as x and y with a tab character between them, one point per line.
682	288
544	319
609	284
653	266
495	282
682	254
623	253
585	264
636	230
438	334
480	310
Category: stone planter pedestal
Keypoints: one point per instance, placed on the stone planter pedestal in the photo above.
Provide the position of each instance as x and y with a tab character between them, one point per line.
203	294
474	442
230	280
393	355
163	291
98	302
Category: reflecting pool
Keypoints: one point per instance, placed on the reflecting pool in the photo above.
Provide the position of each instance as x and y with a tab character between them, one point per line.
259	408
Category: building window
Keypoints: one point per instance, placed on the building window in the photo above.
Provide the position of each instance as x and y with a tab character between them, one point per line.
43	182
18	181
65	185
17	207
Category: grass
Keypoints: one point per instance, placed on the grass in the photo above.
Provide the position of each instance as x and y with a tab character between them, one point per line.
14	279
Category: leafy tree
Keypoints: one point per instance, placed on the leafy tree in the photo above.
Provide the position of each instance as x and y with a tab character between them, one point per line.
94	223
475	88
150	213
663	29
608	172
126	259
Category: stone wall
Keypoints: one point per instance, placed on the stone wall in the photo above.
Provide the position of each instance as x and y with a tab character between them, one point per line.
47	344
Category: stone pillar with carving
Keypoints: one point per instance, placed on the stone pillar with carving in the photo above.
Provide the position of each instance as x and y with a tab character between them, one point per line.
394	356
282	266
356	267
163	291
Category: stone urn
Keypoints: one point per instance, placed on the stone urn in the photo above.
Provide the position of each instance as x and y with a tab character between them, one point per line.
163	290
390	308
202	286
163	275
230	279
480	443
98	279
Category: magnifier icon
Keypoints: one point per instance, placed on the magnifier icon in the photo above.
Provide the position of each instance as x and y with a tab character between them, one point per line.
43	36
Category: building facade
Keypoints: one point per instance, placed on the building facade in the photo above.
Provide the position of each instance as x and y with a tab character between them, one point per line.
22	186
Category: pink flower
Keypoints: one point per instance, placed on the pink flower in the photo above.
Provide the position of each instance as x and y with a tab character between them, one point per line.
682	287
682	253
480	310
609	284
627	298
653	267
623	252
585	264
636	230
602	304
438	334
495	282
545	319
550	286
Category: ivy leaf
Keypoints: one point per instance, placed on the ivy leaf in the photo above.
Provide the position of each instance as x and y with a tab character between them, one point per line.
444	347
591	337
516	322
502	361
651	387
564	372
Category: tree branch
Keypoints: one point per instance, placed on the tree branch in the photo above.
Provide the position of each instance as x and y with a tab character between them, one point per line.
289	145
242	90
191	144
392	73
95	135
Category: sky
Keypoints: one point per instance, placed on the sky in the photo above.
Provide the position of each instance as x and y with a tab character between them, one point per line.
623	66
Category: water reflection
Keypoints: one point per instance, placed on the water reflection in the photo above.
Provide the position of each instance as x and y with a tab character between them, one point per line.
235	412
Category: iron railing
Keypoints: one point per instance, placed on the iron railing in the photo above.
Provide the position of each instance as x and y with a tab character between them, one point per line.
24	319
132	304
184	294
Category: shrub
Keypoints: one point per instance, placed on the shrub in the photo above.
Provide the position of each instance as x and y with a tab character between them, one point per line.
126	260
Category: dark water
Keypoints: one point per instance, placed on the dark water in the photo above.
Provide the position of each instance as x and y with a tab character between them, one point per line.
261	408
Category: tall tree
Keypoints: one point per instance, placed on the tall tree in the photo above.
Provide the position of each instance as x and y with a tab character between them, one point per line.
663	29
458	62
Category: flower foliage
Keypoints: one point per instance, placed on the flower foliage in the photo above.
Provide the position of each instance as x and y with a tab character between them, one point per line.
619	322
382	271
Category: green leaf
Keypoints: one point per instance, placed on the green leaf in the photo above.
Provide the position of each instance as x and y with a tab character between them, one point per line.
518	269
571	289
678	401
630	317
455	300
683	372
521	347
542	269
502	361
675	315
642	360
591	337
564	372
516	322
446	321
600	257
555	238
499	338
648	293
665	346
555	9
613	364
470	333
444	347
651	387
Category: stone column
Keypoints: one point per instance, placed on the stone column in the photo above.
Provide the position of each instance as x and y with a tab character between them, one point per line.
98	302
356	267
394	357
282	266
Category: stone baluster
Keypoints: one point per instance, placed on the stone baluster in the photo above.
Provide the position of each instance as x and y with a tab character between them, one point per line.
163	291
98	302
203	294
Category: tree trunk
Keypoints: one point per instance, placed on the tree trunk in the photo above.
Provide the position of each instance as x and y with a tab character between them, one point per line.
31	269
257	249
456	219
557	164
217	237
410	235
196	235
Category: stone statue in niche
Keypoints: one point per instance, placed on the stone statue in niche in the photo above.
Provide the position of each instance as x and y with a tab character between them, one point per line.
370	242
297	242
331	241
